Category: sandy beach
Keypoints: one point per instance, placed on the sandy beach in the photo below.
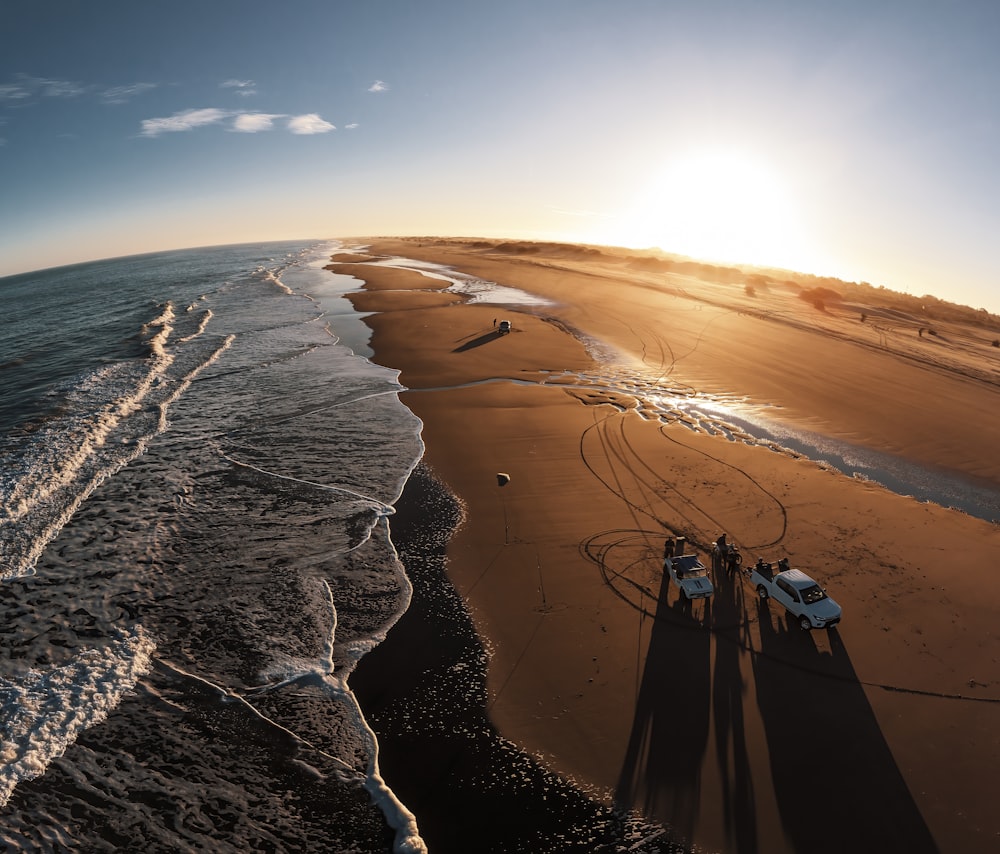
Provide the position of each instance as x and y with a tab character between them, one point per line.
720	719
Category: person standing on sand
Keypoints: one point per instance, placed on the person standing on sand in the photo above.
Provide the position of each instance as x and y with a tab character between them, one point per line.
720	553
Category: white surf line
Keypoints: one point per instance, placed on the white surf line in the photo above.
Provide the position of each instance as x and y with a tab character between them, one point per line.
275	279
185	383
229	696
387	509
398	817
205	318
94	433
46	712
305	676
349	402
26	565
95	430
331	637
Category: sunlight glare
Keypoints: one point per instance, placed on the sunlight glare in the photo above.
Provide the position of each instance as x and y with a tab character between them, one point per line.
719	205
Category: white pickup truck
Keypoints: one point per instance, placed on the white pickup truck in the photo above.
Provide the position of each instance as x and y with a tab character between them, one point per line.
690	575
797	593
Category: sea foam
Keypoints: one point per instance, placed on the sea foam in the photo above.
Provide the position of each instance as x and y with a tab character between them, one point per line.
45	711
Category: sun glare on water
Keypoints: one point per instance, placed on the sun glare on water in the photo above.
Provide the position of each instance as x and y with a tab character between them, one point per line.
719	205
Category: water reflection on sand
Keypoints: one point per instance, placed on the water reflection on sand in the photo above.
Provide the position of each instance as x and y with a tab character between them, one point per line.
738	419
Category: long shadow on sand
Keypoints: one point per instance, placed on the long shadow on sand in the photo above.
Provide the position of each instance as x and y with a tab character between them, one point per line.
837	785
486	338
661	774
736	781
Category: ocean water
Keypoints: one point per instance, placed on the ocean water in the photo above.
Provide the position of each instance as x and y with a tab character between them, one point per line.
197	465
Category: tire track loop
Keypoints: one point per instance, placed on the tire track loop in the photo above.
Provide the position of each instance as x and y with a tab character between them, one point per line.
620	455
666	351
598	554
664	345
616	446
777	501
609	454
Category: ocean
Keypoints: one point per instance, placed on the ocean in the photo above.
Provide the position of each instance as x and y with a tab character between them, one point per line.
198	465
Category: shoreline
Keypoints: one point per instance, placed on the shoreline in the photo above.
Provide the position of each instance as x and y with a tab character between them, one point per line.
469	788
596	665
774	350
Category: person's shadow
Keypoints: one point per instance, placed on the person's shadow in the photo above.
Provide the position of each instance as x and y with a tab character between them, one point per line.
732	754
661	773
836	783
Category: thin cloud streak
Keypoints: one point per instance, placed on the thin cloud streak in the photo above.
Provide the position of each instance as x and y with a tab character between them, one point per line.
121	94
183	121
26	87
378	86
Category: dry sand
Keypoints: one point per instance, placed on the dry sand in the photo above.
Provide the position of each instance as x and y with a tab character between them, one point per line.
721	719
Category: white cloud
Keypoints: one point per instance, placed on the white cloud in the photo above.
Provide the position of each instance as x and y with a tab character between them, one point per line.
378	86
242	87
309	123
186	120
121	94
306	124
351	126
255	122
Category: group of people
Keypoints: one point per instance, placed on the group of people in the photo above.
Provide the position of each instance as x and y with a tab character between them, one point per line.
725	555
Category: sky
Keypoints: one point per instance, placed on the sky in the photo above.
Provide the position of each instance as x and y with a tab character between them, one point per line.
851	139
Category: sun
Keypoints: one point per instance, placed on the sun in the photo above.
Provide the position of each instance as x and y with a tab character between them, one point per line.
719	204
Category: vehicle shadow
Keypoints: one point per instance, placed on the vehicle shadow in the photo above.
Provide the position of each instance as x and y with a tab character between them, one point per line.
732	754
485	338
661	772
836	783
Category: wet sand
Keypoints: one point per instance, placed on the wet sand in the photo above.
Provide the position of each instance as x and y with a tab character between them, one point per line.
721	719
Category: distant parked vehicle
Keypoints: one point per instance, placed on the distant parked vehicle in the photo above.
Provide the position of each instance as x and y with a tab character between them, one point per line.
504	327
797	592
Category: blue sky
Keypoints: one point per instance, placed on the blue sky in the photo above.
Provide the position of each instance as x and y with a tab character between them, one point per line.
855	139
